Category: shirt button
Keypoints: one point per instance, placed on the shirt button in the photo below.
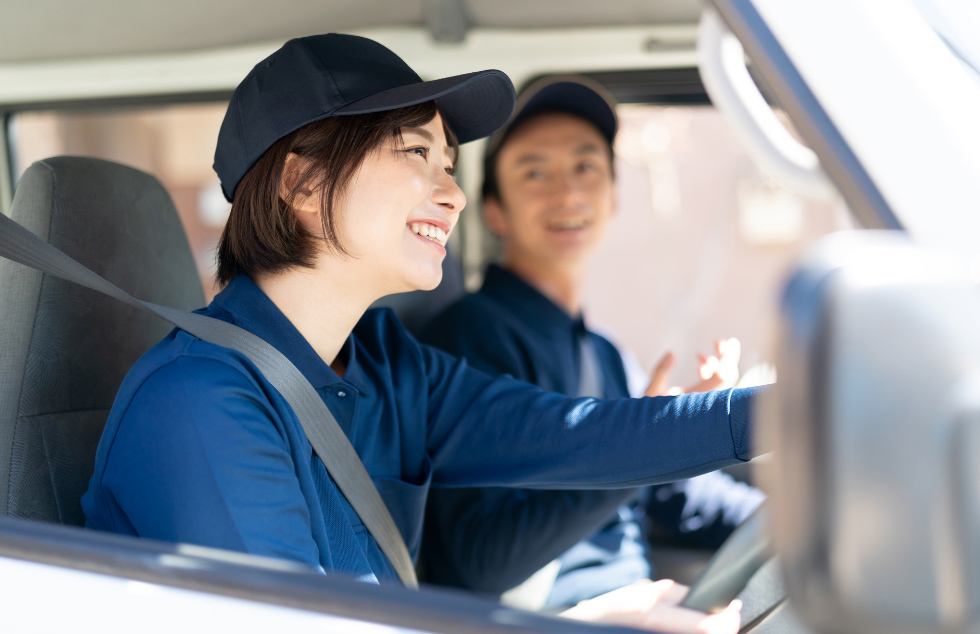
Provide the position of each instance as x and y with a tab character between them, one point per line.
341	394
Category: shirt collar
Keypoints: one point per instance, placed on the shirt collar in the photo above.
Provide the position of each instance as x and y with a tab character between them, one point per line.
252	310
527	303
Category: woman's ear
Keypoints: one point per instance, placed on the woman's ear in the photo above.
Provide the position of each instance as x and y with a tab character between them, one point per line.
495	217
303	199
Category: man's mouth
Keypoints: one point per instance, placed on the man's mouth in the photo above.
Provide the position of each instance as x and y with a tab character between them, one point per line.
568	224
430	232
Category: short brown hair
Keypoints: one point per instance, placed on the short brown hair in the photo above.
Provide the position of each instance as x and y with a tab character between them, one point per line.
263	235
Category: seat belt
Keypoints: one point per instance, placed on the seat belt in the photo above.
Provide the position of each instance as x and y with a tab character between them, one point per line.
325	435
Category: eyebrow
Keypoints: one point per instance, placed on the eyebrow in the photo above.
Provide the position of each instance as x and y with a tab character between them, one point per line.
422	132
585	148
588	148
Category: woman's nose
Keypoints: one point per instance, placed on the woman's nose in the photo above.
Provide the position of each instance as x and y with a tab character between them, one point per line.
448	194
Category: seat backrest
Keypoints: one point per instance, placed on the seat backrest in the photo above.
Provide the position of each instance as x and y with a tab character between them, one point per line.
65	349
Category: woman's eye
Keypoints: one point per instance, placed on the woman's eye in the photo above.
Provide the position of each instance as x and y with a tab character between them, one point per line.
587	167
451	171
420	151
535	175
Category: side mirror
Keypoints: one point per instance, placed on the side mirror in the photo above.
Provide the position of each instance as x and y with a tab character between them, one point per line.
875	422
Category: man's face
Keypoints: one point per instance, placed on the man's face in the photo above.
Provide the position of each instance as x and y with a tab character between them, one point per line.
554	175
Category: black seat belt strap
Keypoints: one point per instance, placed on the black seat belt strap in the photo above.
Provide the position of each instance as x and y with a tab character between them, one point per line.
325	435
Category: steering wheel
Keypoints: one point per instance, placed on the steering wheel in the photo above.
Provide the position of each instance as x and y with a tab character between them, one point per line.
745	556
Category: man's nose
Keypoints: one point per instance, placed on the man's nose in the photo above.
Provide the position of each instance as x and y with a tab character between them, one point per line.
567	188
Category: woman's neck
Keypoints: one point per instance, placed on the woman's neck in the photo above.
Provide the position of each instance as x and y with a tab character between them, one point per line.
321	307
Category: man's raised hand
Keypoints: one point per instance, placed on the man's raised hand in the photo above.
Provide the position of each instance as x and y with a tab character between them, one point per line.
715	372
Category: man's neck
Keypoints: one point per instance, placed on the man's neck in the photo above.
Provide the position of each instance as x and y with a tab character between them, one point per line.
561	284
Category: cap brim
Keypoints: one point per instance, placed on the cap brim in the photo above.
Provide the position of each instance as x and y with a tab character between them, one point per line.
475	104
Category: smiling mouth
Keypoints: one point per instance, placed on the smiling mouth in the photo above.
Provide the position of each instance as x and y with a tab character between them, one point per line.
429	232
568	224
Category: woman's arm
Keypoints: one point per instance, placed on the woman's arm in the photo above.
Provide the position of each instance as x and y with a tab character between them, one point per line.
504	432
492	539
200	456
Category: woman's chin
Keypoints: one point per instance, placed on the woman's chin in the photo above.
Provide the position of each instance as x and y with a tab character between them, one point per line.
431	283
420	281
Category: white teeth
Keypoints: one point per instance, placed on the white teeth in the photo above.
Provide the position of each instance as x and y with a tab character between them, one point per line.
431	232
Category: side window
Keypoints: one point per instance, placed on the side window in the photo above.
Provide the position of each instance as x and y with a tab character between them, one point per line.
175	143
696	252
700	243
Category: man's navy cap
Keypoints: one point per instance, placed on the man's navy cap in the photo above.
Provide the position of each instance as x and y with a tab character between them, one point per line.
573	94
312	78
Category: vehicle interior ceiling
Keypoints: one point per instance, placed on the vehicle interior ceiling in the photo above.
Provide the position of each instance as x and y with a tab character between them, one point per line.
175	54
145	85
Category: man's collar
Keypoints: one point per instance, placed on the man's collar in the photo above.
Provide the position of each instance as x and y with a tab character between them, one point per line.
252	310
526	302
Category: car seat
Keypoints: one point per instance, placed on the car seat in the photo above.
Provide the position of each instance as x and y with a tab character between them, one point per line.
65	349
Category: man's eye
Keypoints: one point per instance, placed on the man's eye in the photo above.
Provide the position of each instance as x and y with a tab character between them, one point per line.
535	175
587	167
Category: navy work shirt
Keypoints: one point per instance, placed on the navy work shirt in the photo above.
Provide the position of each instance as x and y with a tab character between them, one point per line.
490	540
200	448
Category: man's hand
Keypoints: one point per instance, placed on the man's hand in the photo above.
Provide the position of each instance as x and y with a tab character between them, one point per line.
660	377
654	606
716	372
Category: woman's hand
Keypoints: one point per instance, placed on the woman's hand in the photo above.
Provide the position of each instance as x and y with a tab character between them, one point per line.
654	606
716	372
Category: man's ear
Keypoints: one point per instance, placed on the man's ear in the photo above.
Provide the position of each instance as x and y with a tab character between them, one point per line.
292	171
494	216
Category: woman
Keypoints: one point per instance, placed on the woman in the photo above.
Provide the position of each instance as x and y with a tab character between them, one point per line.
338	161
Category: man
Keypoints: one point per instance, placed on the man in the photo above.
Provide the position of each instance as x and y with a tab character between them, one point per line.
549	193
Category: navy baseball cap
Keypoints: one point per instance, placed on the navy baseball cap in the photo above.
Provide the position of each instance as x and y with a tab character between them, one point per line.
312	78
572	94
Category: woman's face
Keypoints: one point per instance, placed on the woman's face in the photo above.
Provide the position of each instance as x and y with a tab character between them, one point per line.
400	208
